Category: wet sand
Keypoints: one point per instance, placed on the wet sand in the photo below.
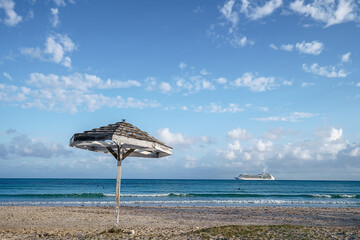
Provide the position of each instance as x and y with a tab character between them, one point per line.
30	222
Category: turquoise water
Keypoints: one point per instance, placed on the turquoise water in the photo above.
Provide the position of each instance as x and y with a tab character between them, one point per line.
94	192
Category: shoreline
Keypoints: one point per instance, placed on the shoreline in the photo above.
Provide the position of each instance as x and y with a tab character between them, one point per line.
24	222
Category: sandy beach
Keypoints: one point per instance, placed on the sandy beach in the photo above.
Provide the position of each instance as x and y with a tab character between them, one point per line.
29	222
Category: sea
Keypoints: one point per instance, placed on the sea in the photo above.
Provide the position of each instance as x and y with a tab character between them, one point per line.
166	192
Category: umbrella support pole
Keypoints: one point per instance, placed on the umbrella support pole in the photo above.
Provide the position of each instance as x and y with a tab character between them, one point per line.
118	185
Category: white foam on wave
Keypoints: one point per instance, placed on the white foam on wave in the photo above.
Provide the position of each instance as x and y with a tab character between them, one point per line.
321	195
182	202
144	195
347	196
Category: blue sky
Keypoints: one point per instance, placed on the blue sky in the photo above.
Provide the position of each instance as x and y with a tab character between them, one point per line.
232	86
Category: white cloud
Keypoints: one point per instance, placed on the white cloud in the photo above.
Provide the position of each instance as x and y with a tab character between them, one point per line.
190	161
251	10
60	3
263	146
291	154
327	71
5	74
275	133
258	12
273	46
193	84
77	81
237	41
182	65
174	139
307	84
204	72
239	134
229	14
314	47
215	108
30	14
256	84
150	83
287	47
12	19
165	87
355	152
55	17
226	32
330	12
293	117
221	80
20	145
71	93
287	83
358	84
56	46
335	134
207	139
346	57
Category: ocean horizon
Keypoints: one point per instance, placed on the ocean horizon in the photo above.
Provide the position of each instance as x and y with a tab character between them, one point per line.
178	192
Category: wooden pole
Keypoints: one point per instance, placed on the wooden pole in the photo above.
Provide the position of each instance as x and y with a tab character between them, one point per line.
118	185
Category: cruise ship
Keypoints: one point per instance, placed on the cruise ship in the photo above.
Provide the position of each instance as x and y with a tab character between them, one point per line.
261	176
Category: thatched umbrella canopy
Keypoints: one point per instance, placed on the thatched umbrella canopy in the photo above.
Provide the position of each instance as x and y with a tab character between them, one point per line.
122	140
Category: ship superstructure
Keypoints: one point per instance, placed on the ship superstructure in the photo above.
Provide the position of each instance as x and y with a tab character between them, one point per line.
261	176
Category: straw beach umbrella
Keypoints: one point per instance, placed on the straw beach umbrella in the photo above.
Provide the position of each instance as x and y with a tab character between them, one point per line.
122	140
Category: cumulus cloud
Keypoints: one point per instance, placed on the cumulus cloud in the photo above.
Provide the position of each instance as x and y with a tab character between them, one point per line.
60	3
328	148
307	84
182	65
287	47
238	41
56	48
239	134
55	16
229	14
255	84
221	80
273	46
77	81
165	87
70	93
207	139
313	48
257	12
275	133
330	12
346	57
7	75
218	108
293	117
193	83
21	145
151	84
174	139
12	18
327	71
190	161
